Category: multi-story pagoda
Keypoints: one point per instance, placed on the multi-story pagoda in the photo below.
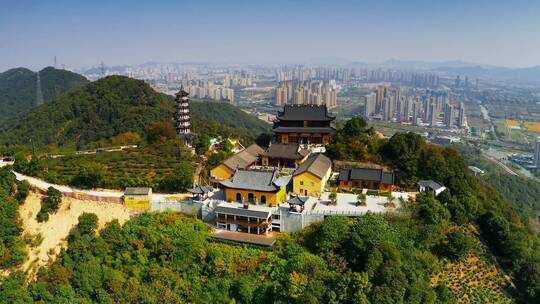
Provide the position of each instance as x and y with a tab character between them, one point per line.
182	117
304	124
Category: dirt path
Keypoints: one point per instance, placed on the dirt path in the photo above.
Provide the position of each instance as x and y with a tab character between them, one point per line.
57	228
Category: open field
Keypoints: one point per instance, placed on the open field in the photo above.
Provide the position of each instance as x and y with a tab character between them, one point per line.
475	279
50	236
512	123
137	167
533	126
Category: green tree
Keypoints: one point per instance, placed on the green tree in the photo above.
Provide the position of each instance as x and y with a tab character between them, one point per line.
458	245
88	223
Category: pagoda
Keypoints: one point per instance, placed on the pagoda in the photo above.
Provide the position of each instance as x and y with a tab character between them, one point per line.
182	118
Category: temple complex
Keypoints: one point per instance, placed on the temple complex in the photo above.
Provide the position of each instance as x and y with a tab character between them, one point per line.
304	124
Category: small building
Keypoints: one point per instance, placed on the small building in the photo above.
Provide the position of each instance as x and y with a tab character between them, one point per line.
243	160
263	187
243	218
304	124
369	178
476	171
284	155
200	193
311	176
138	198
430	186
297	203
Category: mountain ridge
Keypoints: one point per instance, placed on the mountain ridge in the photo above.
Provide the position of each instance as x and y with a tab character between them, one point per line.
18	88
114	105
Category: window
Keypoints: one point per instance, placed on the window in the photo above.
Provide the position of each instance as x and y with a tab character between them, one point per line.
312	184
301	183
251	198
238	197
263	199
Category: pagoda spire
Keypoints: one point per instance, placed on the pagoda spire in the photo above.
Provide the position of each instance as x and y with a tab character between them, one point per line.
182	117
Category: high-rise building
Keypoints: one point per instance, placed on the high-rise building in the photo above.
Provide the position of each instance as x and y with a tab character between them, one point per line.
370	101
306	92
432	114
461	116
448	115
182	117
381	94
536	158
457	82
415	113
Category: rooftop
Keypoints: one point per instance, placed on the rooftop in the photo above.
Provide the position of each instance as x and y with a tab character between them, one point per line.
137	191
238	209
258	180
286	151
200	189
429	183
316	164
304	129
257	239
244	158
368	174
297	200
305	112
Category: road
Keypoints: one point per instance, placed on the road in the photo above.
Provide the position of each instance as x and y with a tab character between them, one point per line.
500	164
43	185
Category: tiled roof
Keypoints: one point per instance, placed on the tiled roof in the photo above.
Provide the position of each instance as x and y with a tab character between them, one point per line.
257	180
286	151
316	164
137	191
305	112
322	130
199	189
244	158
298	200
429	183
367	174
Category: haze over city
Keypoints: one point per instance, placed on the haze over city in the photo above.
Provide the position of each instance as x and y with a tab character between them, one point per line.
501	33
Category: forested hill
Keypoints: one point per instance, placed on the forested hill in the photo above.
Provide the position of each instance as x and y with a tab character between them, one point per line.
229	116
114	105
18	88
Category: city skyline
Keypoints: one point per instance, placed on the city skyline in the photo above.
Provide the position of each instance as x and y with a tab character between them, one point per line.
127	32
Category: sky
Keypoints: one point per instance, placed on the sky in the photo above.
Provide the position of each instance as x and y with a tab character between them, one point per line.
85	33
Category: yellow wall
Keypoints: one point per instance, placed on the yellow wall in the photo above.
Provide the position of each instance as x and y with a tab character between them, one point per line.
372	185
137	202
272	198
264	160
309	182
221	172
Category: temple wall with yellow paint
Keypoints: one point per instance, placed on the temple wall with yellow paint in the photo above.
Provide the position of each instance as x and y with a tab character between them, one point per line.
348	185
137	202
309	184
272	198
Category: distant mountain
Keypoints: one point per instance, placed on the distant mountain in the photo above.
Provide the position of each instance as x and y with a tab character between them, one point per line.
531	74
113	105
18	88
417	64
